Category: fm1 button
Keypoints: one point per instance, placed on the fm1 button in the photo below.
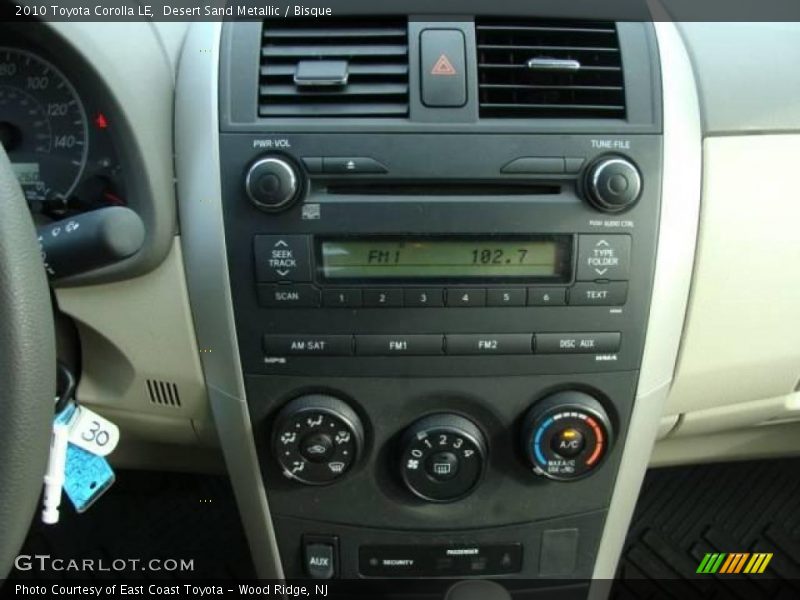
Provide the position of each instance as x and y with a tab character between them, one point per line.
568	443
442	466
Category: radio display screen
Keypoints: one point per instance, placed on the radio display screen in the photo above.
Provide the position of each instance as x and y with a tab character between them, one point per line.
502	258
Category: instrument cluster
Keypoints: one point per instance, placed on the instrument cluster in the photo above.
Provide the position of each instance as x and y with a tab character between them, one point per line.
56	128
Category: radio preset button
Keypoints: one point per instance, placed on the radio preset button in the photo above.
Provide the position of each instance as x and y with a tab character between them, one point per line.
577	343
383	298
499	343
288	296
466	297
282	258
391	345
308	345
603	257
505	297
424	298
342	298
599	294
547	296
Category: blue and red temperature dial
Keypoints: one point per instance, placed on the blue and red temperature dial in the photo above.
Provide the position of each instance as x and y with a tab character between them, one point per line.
566	435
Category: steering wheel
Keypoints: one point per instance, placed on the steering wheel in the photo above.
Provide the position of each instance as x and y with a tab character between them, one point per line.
27	368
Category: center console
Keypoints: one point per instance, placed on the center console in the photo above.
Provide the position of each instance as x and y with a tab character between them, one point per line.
440	243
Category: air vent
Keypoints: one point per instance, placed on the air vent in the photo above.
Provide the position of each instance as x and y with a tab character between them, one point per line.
327	68
163	393
549	69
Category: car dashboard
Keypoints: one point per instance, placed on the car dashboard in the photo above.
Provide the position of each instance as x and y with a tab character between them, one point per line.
433	291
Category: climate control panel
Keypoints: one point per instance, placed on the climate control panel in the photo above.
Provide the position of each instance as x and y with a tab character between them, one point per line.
318	438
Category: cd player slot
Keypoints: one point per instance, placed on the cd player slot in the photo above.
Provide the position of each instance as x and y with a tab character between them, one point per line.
442	189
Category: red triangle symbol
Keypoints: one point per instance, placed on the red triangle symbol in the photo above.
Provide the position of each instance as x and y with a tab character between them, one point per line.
443	66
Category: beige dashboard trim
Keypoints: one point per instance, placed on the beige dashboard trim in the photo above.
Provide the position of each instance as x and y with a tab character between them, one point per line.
139	354
680	207
205	257
742	340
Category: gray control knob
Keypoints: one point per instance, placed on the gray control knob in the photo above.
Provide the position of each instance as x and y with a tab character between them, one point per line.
442	457
272	183
317	439
613	183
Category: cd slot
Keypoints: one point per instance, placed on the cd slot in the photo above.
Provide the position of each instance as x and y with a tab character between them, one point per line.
442	189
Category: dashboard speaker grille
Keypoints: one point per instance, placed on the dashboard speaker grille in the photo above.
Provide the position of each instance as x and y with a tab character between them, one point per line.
334	68
163	393
549	69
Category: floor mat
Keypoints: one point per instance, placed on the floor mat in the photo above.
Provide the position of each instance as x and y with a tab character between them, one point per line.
148	516
683	513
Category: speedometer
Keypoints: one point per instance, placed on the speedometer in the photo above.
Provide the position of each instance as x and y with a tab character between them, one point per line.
43	126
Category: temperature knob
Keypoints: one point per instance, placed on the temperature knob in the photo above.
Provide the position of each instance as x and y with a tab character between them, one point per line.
613	183
566	435
317	439
442	457
272	183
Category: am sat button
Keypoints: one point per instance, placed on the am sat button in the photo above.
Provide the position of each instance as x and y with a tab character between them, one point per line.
288	296
577	343
308	345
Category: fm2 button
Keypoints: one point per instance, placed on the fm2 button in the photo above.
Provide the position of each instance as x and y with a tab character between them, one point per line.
282	258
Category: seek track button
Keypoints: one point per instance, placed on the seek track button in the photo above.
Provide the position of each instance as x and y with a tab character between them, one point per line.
282	258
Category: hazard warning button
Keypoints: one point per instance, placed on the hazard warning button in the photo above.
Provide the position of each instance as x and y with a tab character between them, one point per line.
444	81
